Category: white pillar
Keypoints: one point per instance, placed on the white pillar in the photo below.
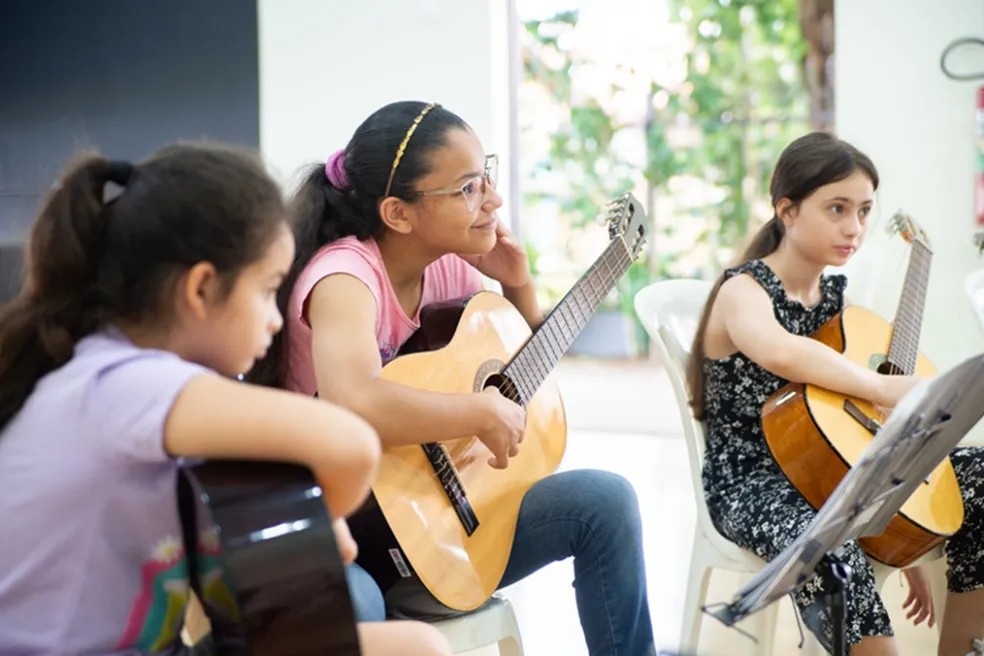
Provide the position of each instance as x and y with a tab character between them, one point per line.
894	103
325	65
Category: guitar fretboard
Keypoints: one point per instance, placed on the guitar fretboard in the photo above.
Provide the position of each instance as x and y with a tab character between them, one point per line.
534	362
904	347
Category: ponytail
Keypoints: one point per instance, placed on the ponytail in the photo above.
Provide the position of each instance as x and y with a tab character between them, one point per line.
321	213
57	303
763	243
91	262
341	197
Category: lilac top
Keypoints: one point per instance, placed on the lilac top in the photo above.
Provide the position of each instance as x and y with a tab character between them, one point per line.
91	555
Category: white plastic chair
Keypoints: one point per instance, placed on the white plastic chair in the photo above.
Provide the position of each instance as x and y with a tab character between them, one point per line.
670	311
493	623
974	285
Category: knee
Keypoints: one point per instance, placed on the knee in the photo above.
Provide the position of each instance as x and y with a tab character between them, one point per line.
427	641
862	577
610	498
861	569
404	637
367	599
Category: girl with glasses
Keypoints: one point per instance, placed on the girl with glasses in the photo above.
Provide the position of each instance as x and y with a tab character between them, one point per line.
405	216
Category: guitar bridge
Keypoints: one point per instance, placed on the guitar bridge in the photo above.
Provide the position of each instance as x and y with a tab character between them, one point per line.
871	425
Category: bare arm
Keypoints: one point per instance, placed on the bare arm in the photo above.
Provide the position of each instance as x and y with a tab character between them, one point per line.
745	312
217	418
342	314
507	263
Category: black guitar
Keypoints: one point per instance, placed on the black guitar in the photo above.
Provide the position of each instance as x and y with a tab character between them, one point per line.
274	583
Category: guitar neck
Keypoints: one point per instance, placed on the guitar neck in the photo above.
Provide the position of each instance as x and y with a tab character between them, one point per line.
534	362
904	347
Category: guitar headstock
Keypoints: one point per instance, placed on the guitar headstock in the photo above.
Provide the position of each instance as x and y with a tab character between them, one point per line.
906	226
627	220
979	241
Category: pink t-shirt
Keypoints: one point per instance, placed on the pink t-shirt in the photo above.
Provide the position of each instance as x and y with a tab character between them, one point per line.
446	278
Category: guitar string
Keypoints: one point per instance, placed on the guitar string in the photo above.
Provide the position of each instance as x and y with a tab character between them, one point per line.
903	348
563	328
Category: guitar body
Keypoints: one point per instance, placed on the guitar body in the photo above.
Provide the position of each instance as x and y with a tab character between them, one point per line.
815	440
282	583
461	570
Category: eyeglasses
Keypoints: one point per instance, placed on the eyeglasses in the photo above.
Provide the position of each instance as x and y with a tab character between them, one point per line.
474	189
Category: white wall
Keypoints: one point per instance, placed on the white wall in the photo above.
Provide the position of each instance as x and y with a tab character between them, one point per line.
325	65
895	104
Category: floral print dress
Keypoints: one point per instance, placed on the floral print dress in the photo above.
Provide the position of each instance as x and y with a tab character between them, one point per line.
753	504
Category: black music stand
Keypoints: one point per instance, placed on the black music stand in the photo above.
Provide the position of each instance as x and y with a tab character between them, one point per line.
921	431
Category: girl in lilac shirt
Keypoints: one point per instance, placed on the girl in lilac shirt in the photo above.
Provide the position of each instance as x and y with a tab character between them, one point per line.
118	356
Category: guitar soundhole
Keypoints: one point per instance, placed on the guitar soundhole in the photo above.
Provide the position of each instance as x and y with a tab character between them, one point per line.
889	368
505	386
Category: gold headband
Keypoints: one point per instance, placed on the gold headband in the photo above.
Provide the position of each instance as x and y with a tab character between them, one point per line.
403	145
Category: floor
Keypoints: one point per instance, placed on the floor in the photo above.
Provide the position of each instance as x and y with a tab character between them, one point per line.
622	418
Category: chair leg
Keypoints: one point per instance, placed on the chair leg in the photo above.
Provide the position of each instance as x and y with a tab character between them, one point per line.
697	581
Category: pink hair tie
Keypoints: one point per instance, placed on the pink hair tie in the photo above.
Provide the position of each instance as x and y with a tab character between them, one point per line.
335	171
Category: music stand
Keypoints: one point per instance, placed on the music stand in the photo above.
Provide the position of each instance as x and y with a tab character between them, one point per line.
921	431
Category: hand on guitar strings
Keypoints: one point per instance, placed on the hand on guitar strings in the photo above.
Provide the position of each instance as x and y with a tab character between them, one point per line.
503	427
506	262
347	548
891	391
919	603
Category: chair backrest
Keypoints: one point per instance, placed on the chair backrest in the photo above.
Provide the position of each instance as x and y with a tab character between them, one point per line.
670	311
974	285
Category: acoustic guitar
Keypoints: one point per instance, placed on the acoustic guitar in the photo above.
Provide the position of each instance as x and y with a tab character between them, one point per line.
816	435
439	512
275	583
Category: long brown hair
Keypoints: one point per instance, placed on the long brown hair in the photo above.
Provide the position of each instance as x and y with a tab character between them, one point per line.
810	162
91	261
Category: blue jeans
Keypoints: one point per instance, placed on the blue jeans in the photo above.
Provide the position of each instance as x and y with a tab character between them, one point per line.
594	517
367	598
